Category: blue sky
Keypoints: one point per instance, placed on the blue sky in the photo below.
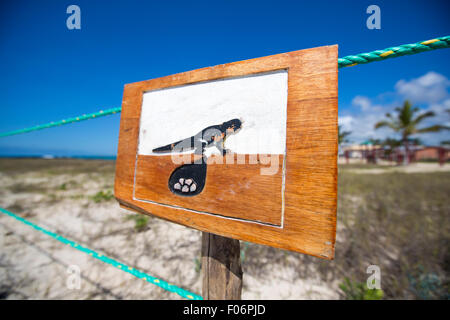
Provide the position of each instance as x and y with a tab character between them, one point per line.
50	73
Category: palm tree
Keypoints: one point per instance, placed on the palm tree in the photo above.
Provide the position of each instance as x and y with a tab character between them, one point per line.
406	124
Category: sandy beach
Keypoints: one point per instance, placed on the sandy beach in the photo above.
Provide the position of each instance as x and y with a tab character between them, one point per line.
61	198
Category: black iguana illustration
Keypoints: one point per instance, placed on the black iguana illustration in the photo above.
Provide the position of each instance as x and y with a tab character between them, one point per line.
189	179
210	136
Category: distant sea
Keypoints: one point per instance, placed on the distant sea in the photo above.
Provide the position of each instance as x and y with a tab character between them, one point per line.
50	156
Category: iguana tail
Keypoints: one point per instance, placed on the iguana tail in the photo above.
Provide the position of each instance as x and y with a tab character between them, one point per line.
167	148
182	144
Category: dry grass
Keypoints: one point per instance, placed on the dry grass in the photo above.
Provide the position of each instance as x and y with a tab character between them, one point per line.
400	222
56	166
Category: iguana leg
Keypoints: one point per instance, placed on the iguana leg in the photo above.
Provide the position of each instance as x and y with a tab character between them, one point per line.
221	146
200	150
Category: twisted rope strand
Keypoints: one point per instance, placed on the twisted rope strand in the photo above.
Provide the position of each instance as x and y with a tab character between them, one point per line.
348	61
394	52
137	273
101	113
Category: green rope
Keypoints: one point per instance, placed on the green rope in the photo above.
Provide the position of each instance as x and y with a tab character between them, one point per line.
402	50
137	273
348	61
94	115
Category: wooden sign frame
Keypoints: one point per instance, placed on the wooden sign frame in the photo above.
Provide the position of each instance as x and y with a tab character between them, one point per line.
310	186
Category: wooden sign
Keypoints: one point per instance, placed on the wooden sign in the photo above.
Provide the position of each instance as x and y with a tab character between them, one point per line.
246	150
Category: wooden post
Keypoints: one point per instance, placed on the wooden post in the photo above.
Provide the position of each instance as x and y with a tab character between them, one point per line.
221	268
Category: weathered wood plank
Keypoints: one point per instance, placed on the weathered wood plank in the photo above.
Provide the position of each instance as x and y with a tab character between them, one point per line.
310	191
221	268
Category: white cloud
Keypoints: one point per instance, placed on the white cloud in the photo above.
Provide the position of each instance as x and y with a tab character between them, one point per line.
346	122
440	108
430	89
365	104
362	102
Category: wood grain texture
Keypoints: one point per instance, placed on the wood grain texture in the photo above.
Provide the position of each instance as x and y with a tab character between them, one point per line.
311	153
230	187
221	268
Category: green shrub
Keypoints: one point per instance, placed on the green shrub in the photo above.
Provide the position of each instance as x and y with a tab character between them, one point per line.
140	221
198	264
428	286
354	290
103	196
